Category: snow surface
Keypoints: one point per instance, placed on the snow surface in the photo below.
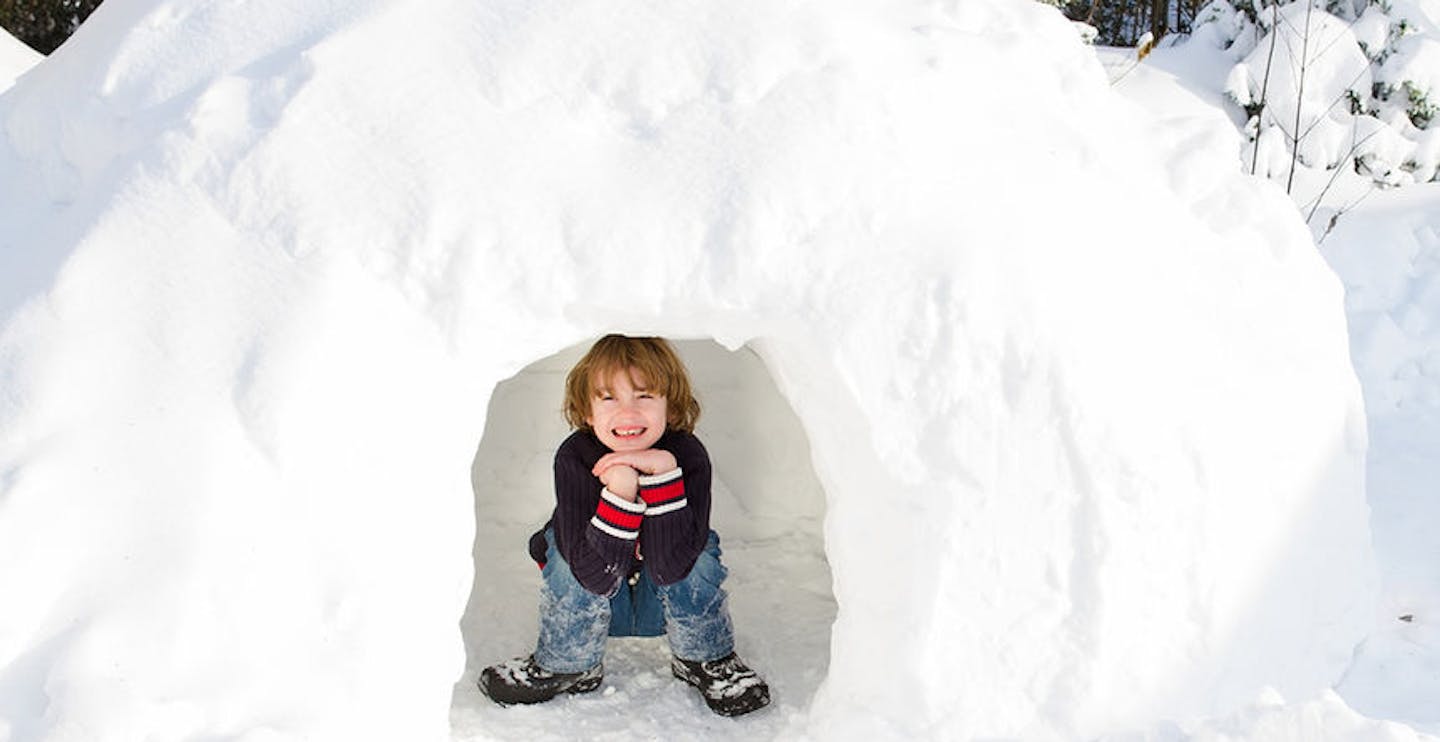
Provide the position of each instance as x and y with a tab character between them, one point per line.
263	270
15	59
1388	253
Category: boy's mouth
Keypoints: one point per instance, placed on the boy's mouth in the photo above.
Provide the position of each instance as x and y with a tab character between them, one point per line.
627	432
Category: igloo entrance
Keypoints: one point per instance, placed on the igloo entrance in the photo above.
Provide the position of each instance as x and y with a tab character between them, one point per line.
768	508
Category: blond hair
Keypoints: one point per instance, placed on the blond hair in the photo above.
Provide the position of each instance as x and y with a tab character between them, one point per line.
651	363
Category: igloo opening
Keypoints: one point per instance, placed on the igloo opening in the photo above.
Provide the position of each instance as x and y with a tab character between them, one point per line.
768	508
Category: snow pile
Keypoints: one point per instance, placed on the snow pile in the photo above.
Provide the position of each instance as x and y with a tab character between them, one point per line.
263	267
15	58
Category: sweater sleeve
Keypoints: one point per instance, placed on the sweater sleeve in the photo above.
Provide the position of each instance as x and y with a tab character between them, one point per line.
677	512
595	531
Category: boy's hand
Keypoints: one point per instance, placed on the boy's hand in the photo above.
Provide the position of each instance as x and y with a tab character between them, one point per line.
621	480
649	461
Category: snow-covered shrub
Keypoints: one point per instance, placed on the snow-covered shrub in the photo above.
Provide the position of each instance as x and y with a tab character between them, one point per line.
1233	27
1420	110
1412	74
1336	66
1301	85
1425	158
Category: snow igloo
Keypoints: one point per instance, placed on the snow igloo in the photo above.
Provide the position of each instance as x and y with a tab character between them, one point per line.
1085	444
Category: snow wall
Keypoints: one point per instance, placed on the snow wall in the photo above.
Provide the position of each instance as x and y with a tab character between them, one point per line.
15	59
1078	395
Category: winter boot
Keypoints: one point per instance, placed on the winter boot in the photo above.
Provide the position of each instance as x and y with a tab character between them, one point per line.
522	681
729	687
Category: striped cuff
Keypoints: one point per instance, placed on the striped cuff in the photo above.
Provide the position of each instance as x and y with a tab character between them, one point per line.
663	493
617	516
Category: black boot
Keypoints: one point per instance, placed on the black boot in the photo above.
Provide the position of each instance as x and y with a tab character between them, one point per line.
522	681
729	687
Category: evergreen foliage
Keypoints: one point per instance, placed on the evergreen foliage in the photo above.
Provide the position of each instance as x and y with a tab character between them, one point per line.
1123	22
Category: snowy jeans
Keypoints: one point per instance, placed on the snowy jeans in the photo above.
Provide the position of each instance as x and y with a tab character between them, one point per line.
575	622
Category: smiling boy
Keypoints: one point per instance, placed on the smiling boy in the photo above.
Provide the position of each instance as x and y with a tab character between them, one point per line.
628	550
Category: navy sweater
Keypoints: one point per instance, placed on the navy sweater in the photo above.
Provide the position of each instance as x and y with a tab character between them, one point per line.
598	533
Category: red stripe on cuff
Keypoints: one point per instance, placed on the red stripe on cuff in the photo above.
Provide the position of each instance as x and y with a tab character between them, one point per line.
617	517
671	490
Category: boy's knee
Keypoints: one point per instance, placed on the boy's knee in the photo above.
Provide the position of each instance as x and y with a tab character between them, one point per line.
708	573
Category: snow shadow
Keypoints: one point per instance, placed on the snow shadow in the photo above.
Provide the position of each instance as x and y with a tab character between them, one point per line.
768	508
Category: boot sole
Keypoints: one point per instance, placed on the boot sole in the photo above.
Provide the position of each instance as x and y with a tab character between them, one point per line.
587	685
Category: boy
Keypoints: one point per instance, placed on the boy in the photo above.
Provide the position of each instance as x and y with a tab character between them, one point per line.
629	550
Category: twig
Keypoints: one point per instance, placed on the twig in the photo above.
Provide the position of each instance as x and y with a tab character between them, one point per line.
1264	88
1300	93
1336	216
1333	103
1320	198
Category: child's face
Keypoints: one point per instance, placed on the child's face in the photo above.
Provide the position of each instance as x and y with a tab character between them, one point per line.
626	416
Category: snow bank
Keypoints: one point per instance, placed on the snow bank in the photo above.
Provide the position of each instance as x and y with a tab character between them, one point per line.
263	267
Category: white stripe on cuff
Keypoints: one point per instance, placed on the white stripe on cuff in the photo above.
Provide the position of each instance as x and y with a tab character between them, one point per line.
630	507
671	506
650	480
612	530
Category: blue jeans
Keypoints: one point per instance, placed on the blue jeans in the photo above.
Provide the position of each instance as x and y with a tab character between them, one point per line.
575	622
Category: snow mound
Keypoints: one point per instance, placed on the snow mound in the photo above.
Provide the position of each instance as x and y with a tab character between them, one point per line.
261	268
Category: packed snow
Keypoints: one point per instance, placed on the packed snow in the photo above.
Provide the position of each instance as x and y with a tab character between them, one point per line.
15	59
1033	417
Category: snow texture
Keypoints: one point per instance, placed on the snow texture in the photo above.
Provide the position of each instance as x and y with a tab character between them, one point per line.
15	59
1389	256
262	267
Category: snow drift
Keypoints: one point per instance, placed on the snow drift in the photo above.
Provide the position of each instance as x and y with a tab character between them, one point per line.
261	268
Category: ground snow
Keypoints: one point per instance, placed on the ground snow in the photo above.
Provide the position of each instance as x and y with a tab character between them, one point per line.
263	268
1388	253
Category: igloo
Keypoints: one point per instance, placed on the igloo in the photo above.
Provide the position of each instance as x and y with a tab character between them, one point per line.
264	266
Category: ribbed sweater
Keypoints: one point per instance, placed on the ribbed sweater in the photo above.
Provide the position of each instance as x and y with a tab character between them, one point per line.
599	534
